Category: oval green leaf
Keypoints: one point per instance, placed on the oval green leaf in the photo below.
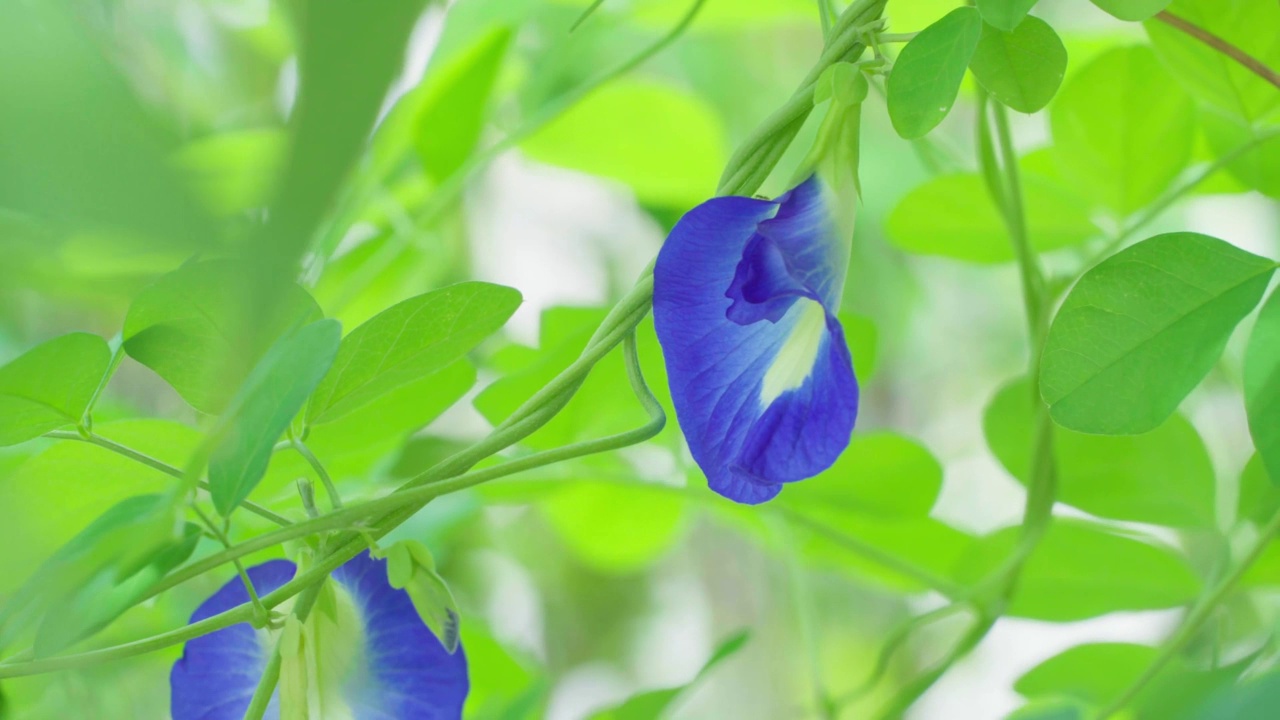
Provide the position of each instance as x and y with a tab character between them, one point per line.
880	475
953	216
190	327
408	341
1005	14
1022	68
926	76
1262	385
269	399
1122	128
1084	569
1143	327
1163	477
50	385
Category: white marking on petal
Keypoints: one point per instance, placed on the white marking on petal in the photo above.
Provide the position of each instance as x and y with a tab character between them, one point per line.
794	362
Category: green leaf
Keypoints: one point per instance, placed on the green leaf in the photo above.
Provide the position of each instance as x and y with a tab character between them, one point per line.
1122	128
1258	168
953	216
1005	14
1132	10
410	567
616	527
1143	327
674	149
191	327
407	341
454	103
1022	68
1206	72
1084	569
1163	477
655	703
263	408
926	76
57	492
234	171
1094	673
880	475
1259	497
1256	699
1055	709
50	385
1262	384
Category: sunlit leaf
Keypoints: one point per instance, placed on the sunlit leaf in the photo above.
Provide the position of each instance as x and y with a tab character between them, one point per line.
953	216
926	76
1005	14
192	327
1095	673
50	385
880	475
1143	327
234	171
264	406
1162	477
1132	10
1258	168
616	527
1259	498
408	341
1247	24
1083	569
455	101
1023	67
673	151
1122	128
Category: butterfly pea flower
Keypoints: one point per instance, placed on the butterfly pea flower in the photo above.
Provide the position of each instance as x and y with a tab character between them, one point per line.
744	301
363	653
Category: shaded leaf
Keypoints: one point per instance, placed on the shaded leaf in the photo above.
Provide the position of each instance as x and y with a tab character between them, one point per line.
1083	569
926	76
1022	68
264	406
1143	327
1162	477
1262	385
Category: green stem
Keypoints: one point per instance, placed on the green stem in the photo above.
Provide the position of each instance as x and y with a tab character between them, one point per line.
154	464
260	612
897	638
117	355
1194	620
271	673
335	499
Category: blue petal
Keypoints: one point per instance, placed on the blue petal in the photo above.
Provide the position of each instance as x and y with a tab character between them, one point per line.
218	673
410	673
745	293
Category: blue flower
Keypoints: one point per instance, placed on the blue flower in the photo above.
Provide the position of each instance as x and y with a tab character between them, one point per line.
744	300
370	657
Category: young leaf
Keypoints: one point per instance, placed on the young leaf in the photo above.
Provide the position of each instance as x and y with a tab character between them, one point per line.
1143	327
1262	385
263	407
1247	24
1005	14
454	102
953	216
408	341
1132	10
1023	67
1163	477
1084	569
880	475
410	567
675	144
655	703
1122	128
926	77
192	327
50	385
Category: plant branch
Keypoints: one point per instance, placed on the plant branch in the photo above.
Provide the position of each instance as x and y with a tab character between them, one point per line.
1194	620
335	500
1245	60
154	464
